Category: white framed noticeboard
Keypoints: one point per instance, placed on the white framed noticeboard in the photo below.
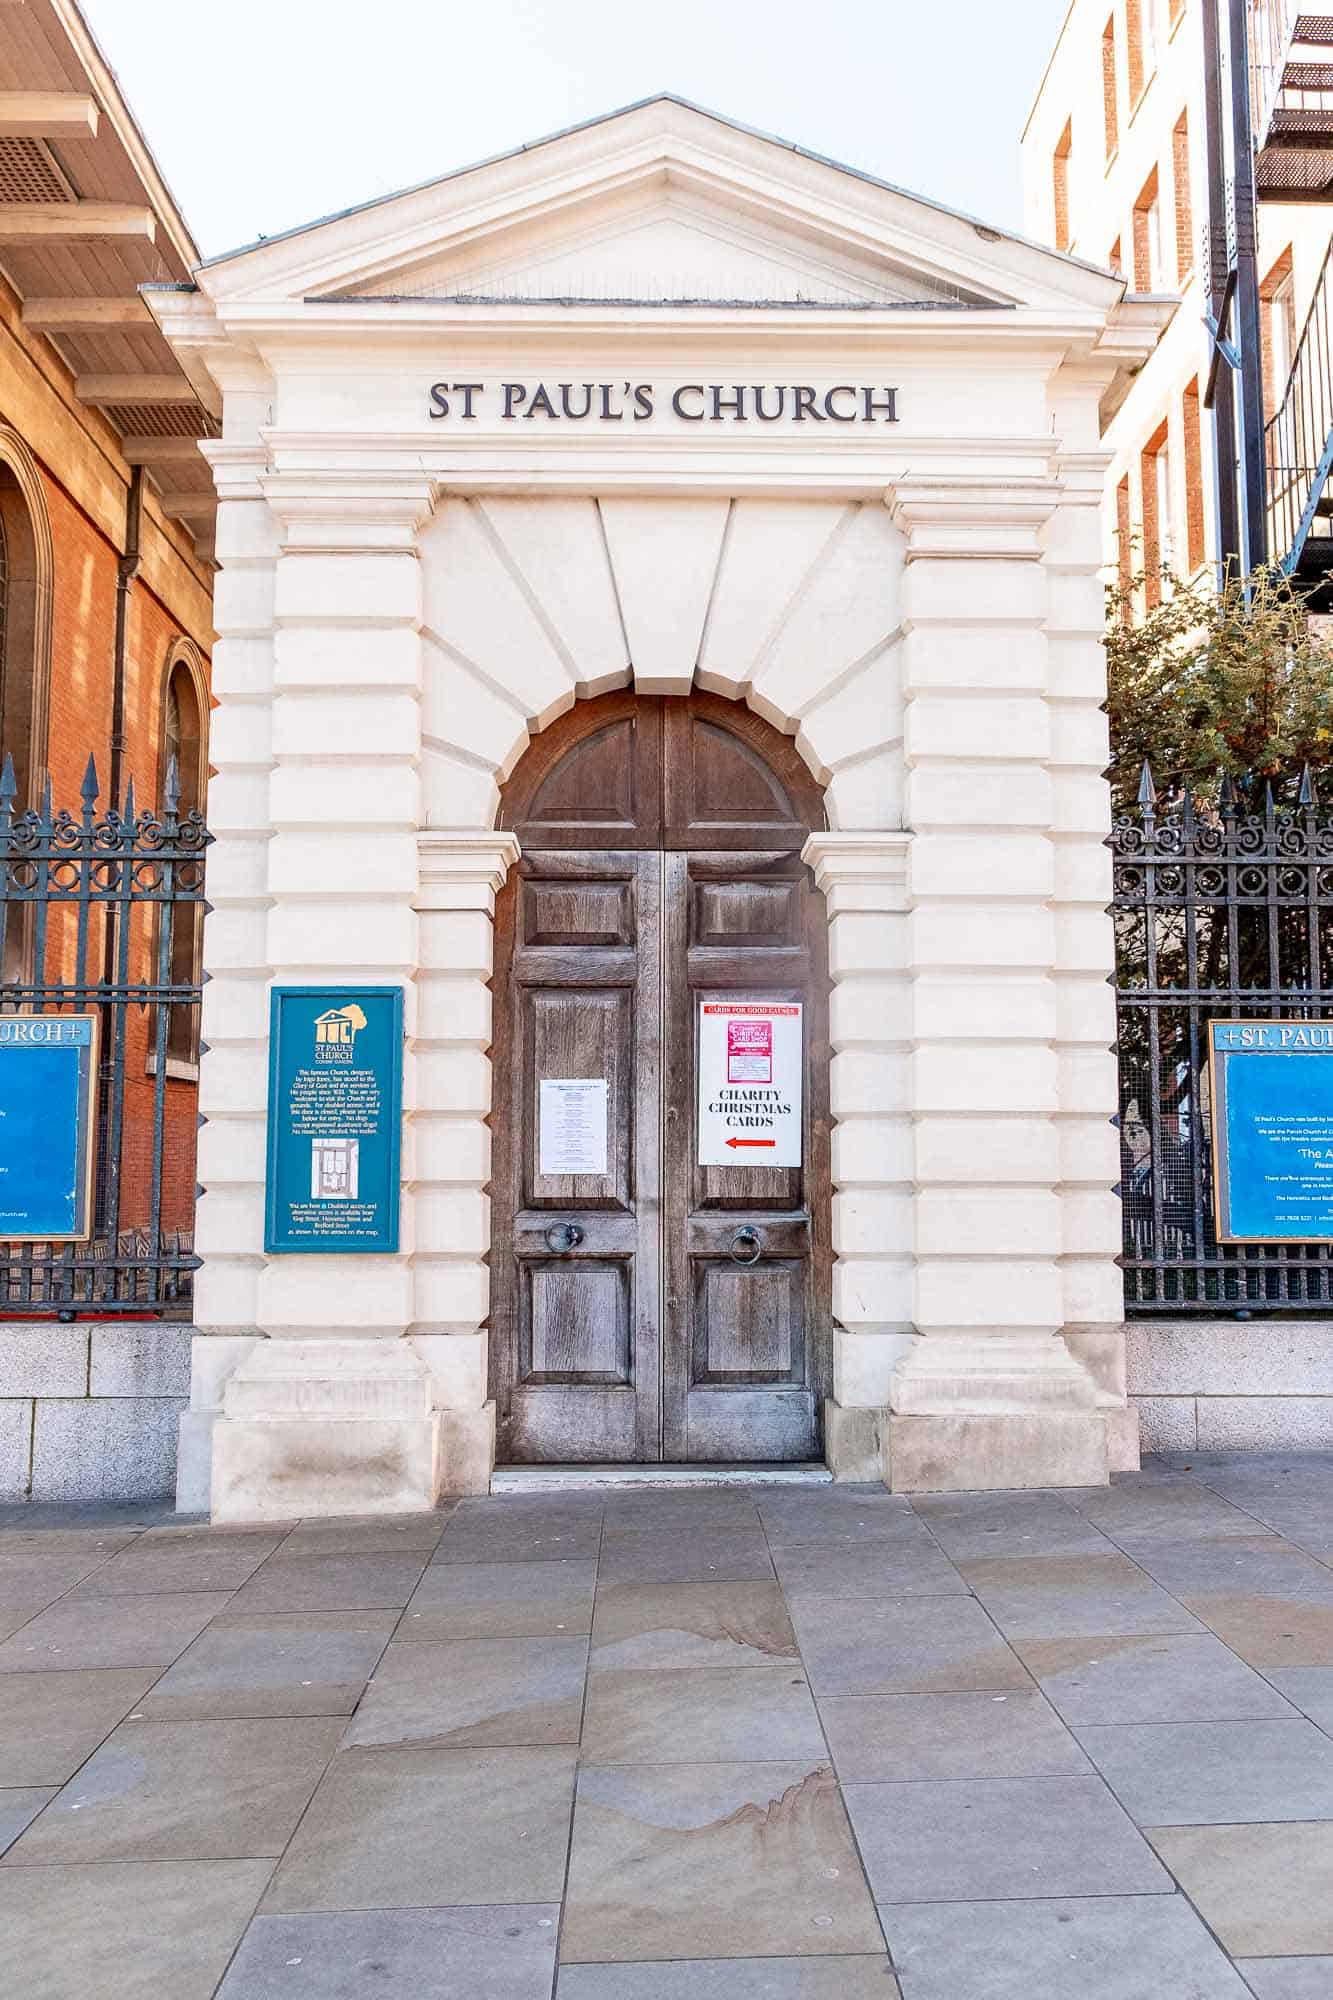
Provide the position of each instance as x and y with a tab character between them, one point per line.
571	1125
750	1070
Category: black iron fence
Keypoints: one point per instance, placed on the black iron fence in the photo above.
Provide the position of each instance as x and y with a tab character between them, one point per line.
1221	913
101	911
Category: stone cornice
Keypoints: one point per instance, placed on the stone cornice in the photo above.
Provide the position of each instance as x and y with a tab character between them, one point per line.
860	870
463	870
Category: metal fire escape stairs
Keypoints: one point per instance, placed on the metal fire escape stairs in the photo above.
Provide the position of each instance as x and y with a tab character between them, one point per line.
1291	98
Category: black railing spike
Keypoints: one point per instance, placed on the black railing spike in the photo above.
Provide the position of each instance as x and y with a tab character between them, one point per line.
1187	810
1306	796
1270	803
171	791
1147	789
47	807
129	804
89	789
1226	793
9	784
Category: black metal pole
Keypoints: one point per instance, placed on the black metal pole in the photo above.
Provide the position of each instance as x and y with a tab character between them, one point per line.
1249	335
1223	406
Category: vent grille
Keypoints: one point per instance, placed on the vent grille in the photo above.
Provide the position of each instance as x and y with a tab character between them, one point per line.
161	420
28	173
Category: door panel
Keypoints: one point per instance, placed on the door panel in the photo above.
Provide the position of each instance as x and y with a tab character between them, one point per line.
575	1347
745	1252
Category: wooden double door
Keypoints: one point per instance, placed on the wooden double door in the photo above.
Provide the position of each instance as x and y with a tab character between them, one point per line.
661	1309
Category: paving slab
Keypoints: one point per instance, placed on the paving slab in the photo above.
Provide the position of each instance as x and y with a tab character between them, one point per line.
268	1663
712	1507
1310	1689
853	1514
1001	1838
333	1583
691	1625
699	1715
869	1977
184	1791
1149	1677
1265	1890
883	1738
515	1528
111	1632
509	1600
1097	1948
470	1692
678	1555
972	1526
504	1952
714	1860
907	1645
124	1930
19	1808
416	1828
368	1535
1270	1631
1256	1565
148	1568
34	1577
1067	1594
1288	1978
882	1567
1210	1773
50	1722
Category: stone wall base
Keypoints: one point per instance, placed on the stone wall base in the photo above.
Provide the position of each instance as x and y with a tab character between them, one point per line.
1232	1385
88	1411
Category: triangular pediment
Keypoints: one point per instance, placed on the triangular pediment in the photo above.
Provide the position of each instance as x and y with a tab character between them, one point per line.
661	203
659	246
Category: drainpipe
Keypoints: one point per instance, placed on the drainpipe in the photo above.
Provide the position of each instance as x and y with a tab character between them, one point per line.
127	568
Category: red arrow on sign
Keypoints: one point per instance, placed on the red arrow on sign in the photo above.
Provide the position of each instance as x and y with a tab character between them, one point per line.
752	1142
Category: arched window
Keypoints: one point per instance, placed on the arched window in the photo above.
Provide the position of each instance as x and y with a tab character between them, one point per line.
25	614
185	742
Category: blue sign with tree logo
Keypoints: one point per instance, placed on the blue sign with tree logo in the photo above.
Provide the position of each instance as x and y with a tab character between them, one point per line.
48	1081
335	1099
1272	1117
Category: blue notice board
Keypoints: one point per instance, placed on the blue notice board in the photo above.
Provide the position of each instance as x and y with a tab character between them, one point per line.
1272	1117
48	1079
335	1102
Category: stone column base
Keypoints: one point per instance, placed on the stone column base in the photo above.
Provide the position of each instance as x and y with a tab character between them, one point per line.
854	1443
467	1450
974	1453
326	1427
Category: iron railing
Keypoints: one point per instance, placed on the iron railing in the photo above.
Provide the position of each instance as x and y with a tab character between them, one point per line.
1271	26
1298	438
1220	913
101	910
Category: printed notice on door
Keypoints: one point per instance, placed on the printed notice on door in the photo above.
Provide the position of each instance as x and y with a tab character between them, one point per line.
571	1120
750	1069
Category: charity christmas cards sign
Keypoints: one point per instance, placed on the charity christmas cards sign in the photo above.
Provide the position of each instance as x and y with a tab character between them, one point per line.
750	1066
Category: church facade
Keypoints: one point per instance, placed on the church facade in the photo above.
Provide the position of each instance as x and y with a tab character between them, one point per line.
659	636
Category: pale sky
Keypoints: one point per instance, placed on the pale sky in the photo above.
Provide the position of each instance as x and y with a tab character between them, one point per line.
268	113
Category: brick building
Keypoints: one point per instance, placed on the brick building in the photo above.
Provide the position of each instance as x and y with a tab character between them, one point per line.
105	630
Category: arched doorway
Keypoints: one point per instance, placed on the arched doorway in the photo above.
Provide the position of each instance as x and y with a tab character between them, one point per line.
659	1309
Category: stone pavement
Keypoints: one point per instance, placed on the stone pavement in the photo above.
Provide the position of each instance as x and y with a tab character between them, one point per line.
704	1745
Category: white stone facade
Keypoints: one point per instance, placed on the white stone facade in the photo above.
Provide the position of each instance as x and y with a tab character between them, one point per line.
405	601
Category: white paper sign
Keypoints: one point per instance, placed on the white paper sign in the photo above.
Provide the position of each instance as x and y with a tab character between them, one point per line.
571	1122
750	1083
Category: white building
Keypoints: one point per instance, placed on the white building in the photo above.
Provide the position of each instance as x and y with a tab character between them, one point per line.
661	563
1114	170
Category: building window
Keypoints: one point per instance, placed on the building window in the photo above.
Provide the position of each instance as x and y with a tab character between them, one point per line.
1134	49
1109	111
1060	186
1277	305
1192	444
184	744
1158	541
1180	175
1148	238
